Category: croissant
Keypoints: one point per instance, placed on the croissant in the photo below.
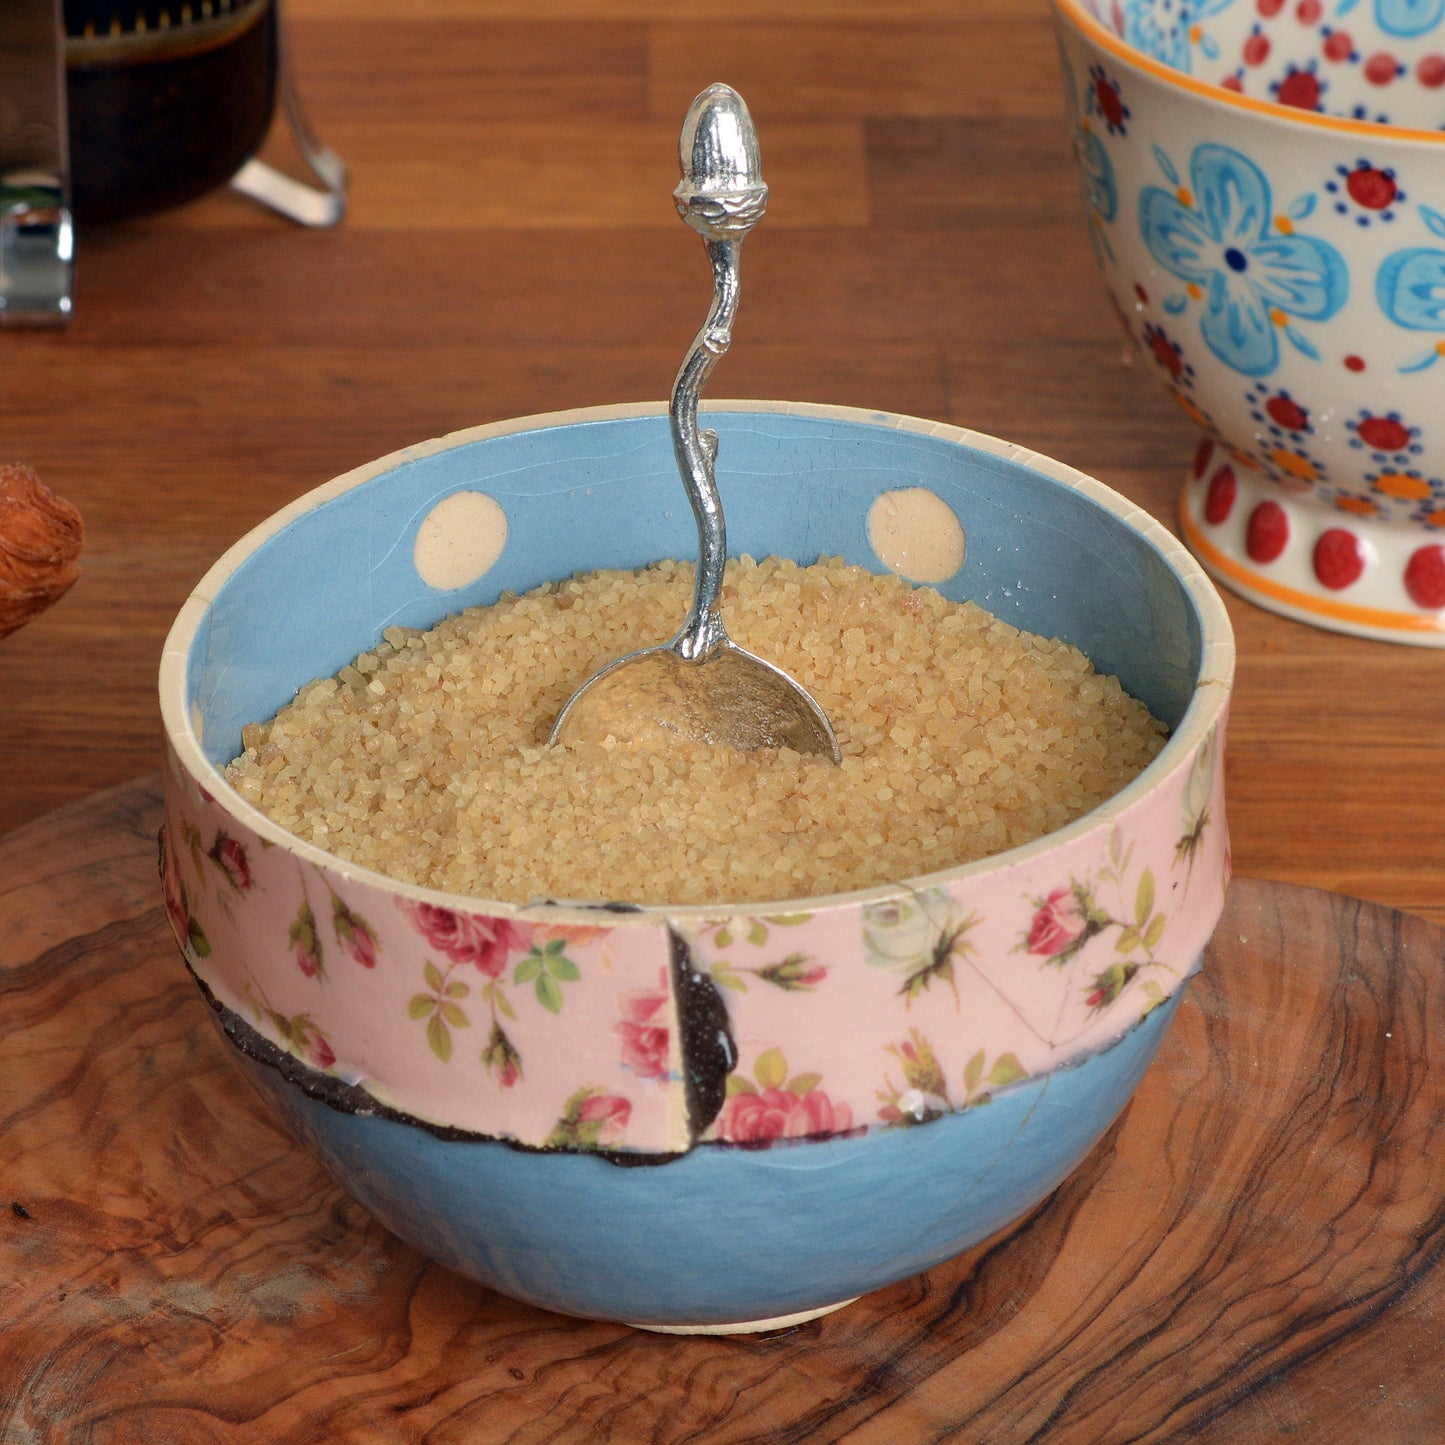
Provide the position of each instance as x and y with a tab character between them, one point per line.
40	540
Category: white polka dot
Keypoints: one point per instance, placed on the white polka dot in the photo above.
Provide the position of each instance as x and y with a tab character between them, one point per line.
459	540
916	534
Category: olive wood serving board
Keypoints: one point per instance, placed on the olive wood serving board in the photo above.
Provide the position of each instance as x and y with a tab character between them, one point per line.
1252	1252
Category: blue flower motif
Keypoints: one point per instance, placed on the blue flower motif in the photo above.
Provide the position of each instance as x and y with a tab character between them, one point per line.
1162	28
1101	189
1411	288
1408	18
1225	244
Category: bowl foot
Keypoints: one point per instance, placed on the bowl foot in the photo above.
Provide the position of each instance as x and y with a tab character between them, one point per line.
748	1327
1305	558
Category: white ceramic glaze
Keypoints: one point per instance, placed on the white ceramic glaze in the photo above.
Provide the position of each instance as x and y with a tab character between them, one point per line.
1282	270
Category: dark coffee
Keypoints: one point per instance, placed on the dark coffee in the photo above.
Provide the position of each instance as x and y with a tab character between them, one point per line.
167	99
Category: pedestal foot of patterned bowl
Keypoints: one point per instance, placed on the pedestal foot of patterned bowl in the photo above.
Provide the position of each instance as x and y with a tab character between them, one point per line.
1316	564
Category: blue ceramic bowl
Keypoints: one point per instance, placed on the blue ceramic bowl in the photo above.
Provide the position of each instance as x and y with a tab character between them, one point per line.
681	1223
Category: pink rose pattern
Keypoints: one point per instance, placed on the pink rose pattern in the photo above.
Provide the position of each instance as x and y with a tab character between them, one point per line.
486	943
303	1038
489	944
355	935
644	1033
501	1057
926	1095
226	855
796	972
591	1120
306	942
760	1118
230	857
184	924
769	1107
1067	918
1061	925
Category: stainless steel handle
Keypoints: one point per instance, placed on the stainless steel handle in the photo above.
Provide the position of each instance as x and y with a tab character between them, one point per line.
306	205
722	196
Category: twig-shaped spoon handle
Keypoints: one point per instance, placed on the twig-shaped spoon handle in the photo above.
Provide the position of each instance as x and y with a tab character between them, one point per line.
701	687
722	196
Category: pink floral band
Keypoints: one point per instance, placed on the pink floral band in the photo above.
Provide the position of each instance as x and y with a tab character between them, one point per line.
644	1033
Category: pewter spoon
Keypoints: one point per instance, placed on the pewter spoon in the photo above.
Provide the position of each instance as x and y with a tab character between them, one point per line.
701	687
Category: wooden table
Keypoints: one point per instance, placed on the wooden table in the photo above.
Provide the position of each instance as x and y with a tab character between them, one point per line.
1253	1251
512	248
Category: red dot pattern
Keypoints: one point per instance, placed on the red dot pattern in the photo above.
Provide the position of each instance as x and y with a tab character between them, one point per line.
1384	433
1339	559
1425	576
1202	454
1371	188
1267	533
1219	499
1381	68
1110	103
1301	89
1287	412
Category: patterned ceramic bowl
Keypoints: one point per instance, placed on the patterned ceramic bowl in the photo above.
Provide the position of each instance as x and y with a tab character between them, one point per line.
1266	187
799	1086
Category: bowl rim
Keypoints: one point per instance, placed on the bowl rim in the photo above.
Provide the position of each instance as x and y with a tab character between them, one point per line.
1206	709
1076	14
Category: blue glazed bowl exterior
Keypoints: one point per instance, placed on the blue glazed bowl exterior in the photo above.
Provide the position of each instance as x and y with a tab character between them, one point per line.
724	1234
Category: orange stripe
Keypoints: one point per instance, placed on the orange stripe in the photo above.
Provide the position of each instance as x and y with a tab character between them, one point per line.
1085	23
1305	601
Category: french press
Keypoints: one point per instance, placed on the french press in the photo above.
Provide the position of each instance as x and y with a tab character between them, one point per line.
112	109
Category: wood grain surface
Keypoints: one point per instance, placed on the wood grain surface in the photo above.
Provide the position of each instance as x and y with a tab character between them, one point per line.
512	248
1252	1254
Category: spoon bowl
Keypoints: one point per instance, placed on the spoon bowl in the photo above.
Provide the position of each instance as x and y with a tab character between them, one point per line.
730	698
